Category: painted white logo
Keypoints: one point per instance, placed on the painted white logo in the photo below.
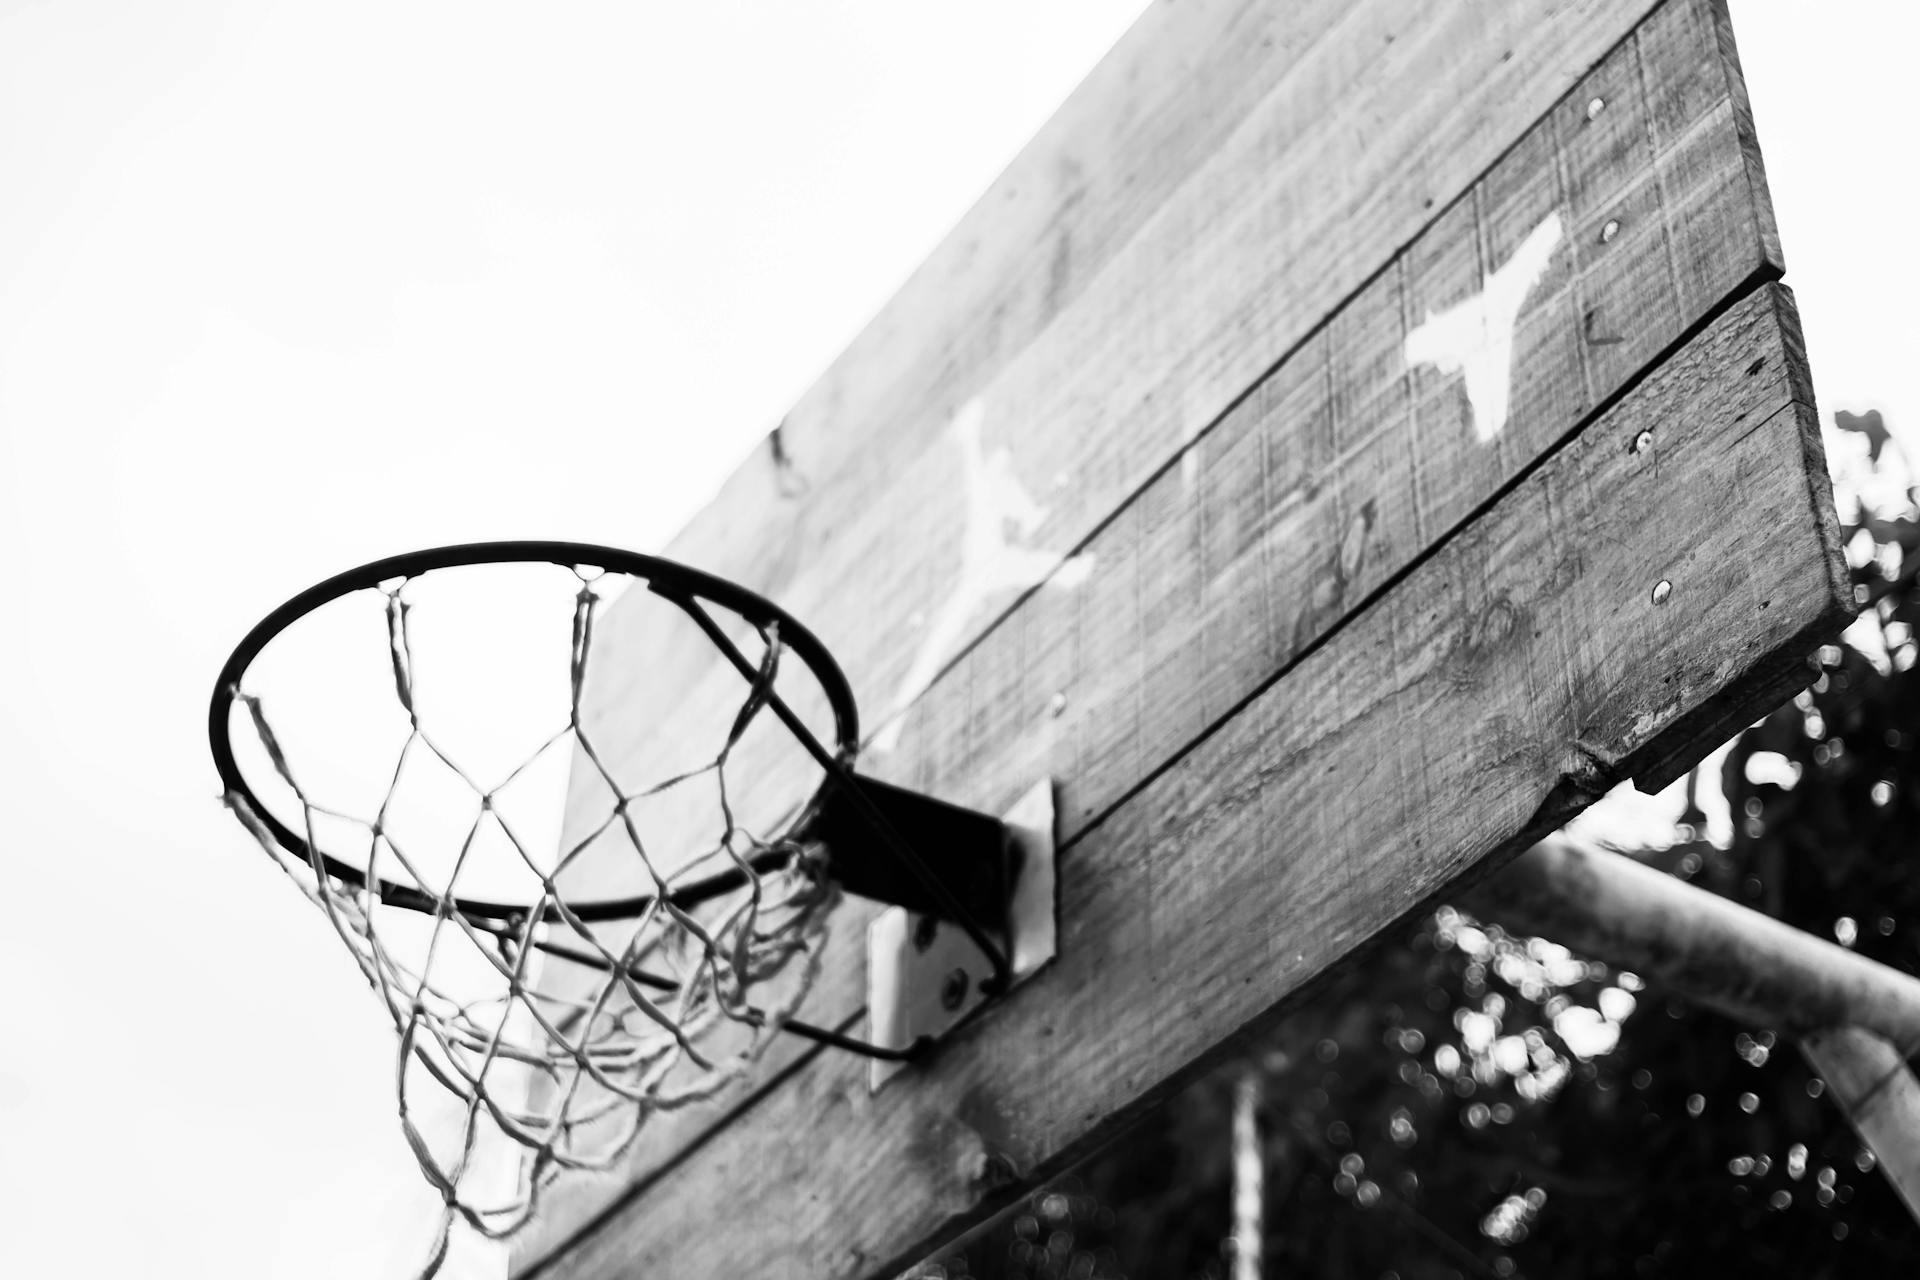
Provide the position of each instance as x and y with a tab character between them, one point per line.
990	563
1476	337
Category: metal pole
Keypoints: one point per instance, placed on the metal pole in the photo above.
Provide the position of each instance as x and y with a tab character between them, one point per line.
1249	1192
1875	1089
1857	1021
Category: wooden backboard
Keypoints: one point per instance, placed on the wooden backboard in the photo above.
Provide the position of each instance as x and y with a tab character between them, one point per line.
1349	439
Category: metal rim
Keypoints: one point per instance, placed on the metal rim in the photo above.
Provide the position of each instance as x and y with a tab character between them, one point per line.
675	582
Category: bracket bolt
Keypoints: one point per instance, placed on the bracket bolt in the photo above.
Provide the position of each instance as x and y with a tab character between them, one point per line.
954	991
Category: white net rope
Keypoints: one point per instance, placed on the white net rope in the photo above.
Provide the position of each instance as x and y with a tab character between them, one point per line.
550	1036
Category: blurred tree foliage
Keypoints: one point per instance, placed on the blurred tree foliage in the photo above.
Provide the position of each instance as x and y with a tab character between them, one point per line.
1468	1103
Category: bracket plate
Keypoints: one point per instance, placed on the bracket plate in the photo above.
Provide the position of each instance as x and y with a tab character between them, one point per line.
924	974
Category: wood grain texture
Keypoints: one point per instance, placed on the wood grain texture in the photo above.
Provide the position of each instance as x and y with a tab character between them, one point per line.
1345	464
1330	475
1303	182
1661	225
1528	664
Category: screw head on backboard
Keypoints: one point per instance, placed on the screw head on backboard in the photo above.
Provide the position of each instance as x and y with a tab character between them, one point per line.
953	992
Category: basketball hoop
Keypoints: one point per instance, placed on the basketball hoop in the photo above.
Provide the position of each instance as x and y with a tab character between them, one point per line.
568	1069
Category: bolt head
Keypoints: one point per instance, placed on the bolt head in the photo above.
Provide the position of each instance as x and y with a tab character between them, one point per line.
953	992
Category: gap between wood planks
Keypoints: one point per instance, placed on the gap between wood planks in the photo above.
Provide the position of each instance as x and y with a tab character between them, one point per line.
1350	611
775	1081
931	1154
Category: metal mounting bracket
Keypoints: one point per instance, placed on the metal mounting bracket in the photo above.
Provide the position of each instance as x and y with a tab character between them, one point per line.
925	976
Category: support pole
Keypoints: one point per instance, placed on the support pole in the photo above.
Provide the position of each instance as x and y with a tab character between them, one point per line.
1857	1021
1249	1191
1875	1089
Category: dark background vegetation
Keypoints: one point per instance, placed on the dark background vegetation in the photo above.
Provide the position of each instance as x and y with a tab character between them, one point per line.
1431	1113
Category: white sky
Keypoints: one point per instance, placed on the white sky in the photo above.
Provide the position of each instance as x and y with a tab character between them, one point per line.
286	287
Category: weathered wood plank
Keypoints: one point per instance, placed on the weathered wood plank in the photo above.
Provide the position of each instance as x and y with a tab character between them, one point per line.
1381	119
1324	482
1370	456
1526	665
1163	101
1609	299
